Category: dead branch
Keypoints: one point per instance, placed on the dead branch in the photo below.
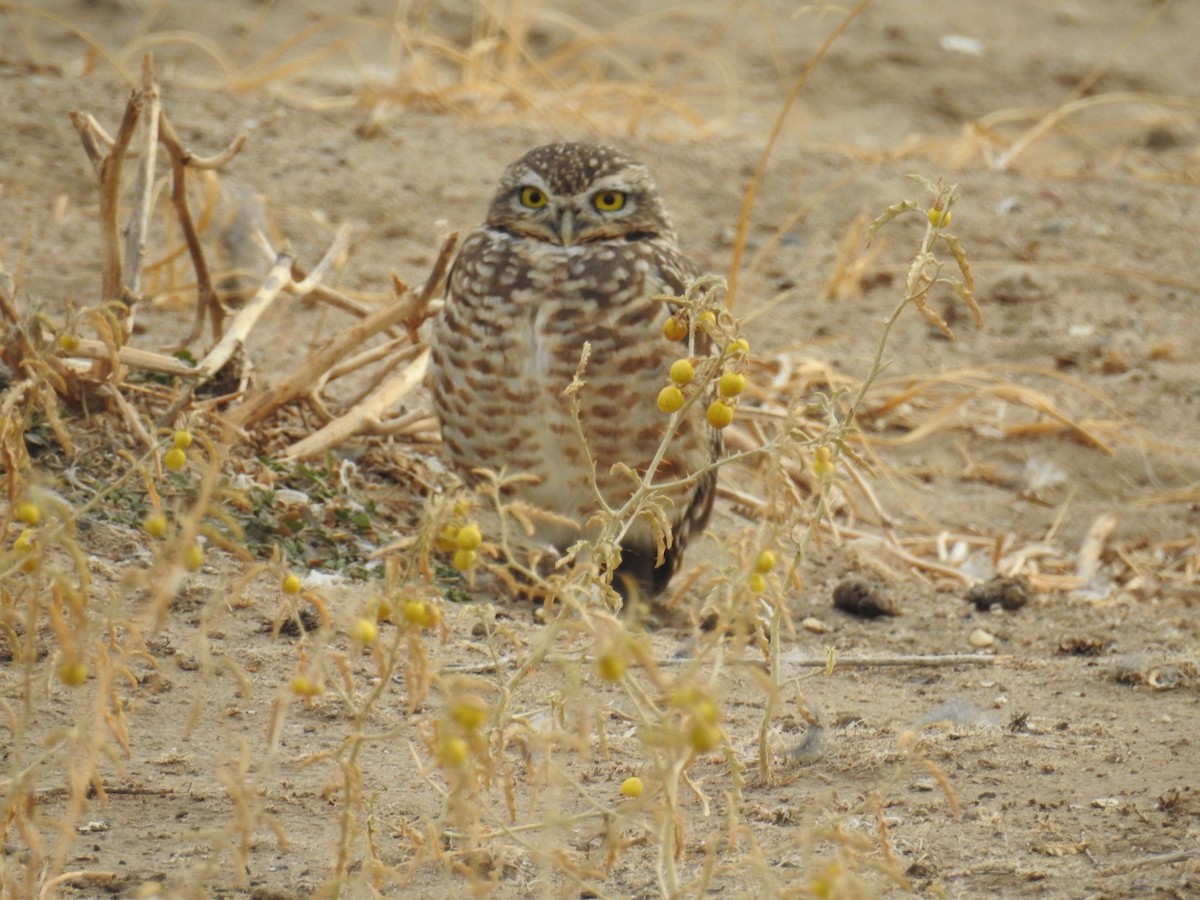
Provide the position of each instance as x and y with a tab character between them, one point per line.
235	338
207	299
143	190
876	662
128	413
1088	559
108	167
335	255
96	141
401	367
301	380
279	275
364	416
86	876
398	347
278	279
412	424
134	358
802	662
334	298
1160	859
192	161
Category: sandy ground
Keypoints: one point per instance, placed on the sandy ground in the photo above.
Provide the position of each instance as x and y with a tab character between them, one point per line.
1073	760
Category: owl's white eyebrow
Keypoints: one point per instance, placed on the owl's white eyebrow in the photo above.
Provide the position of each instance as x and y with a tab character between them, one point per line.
531	179
611	182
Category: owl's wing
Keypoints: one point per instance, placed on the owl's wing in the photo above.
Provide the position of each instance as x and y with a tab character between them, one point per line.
675	271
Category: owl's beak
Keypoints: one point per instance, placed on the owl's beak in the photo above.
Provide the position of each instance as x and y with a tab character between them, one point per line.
566	226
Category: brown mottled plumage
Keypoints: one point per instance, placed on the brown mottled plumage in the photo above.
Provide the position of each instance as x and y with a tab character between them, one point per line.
576	246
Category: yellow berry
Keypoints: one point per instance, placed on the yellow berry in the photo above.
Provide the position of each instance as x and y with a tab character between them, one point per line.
756	583
765	562
383	609
686	696
447	538
175	459
670	399
364	631
707	320
610	667
704	710
182	439
155	525
682	371
414	612
303	686
464	560
741	345
28	513
731	384
193	557
719	414
703	736
632	787
421	614
674	329
72	673
291	583
469	712
68	343
469	537
822	462
453	753
25	541
938	217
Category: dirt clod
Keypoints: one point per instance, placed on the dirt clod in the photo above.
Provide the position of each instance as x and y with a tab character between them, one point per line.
1008	592
864	599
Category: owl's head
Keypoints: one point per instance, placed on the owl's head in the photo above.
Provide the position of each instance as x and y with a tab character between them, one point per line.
579	193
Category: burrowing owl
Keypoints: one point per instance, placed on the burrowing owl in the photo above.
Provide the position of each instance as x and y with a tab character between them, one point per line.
576	247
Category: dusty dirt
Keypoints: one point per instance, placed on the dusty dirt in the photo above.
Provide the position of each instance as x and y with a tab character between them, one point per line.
1074	759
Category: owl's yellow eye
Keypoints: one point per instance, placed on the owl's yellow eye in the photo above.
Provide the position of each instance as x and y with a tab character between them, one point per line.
609	201
532	197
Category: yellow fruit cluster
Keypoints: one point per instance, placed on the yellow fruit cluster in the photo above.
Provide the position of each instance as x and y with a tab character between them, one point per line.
757	582
421	614
701	718
730	385
466	715
464	542
176	458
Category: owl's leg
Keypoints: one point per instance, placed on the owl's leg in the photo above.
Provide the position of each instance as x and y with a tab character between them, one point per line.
638	575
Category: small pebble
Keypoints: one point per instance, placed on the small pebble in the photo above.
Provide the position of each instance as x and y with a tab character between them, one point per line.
816	626
979	639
